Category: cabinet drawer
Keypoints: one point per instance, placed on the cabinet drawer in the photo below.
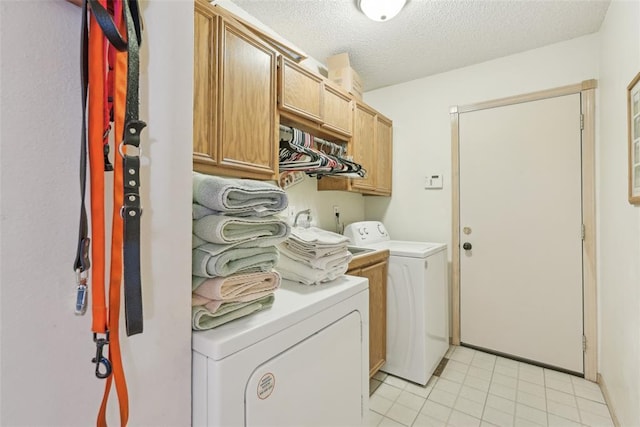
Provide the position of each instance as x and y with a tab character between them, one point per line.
300	91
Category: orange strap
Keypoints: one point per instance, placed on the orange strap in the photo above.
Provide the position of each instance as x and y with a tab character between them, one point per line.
105	322
96	162
119	104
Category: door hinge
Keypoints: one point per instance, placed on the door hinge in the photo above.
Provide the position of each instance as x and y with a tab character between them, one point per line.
584	343
581	121
582	232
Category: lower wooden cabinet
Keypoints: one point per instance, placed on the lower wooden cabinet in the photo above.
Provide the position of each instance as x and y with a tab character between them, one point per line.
374	267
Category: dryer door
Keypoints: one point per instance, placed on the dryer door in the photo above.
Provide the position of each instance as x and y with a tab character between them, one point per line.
296	388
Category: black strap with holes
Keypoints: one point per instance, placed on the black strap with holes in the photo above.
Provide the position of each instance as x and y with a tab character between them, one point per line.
131	209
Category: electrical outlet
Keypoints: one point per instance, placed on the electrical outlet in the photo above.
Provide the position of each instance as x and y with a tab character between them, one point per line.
336	210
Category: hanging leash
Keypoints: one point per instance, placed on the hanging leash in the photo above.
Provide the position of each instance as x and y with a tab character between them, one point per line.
110	72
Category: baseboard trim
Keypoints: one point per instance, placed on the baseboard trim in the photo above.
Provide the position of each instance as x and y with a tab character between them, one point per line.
607	399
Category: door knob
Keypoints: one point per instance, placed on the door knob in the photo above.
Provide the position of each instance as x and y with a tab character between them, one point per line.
466	246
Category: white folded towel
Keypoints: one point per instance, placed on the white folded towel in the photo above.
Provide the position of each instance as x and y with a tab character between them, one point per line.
209	261
329	261
235	286
239	197
313	251
202	319
228	229
317	237
299	272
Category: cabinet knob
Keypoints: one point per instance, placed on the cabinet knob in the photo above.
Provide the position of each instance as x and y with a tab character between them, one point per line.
466	246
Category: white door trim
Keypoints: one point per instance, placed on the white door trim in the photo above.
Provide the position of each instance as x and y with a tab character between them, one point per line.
587	90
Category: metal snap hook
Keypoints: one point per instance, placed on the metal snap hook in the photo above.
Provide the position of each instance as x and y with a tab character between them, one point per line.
100	360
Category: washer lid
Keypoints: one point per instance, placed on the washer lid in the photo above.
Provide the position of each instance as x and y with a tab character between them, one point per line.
294	302
409	248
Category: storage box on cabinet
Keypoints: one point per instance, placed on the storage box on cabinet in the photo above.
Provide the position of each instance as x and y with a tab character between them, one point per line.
235	99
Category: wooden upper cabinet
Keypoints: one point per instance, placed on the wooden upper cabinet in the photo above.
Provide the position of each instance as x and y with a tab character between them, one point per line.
300	91
371	146
363	145
384	155
205	84
337	110
247	104
235	115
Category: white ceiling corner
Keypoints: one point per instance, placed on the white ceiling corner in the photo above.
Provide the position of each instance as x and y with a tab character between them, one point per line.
428	36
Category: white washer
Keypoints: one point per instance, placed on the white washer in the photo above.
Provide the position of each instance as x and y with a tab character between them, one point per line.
417	301
302	362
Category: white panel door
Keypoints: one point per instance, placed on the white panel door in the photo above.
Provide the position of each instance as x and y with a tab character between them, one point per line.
521	213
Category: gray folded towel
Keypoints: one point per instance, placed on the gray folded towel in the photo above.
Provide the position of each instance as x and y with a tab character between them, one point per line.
196	241
239	197
212	260
202	319
199	211
228	229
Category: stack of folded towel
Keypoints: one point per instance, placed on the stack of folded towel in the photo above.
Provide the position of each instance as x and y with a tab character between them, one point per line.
235	233
312	256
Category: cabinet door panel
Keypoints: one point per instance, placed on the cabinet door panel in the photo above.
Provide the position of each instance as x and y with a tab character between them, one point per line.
363	145
384	147
300	90
247	103
377	275
204	84
337	112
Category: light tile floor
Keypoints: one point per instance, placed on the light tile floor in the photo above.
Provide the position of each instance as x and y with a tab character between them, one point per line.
480	389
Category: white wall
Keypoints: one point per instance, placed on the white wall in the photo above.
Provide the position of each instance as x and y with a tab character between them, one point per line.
305	196
619	222
422	130
46	371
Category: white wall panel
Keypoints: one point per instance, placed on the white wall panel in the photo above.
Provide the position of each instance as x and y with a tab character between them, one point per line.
46	371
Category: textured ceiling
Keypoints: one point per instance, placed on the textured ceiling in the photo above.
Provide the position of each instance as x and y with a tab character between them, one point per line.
428	36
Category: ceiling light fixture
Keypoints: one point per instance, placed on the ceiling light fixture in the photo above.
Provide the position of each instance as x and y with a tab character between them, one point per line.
381	10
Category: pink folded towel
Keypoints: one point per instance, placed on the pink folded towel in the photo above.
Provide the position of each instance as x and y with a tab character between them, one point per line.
212	293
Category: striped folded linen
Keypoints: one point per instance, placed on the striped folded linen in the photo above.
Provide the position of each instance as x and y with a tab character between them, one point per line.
202	319
239	197
222	229
235	286
211	260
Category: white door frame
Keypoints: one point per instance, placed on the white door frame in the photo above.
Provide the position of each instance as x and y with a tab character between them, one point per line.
587	90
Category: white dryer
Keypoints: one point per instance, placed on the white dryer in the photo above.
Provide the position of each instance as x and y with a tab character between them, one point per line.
417	301
303	362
